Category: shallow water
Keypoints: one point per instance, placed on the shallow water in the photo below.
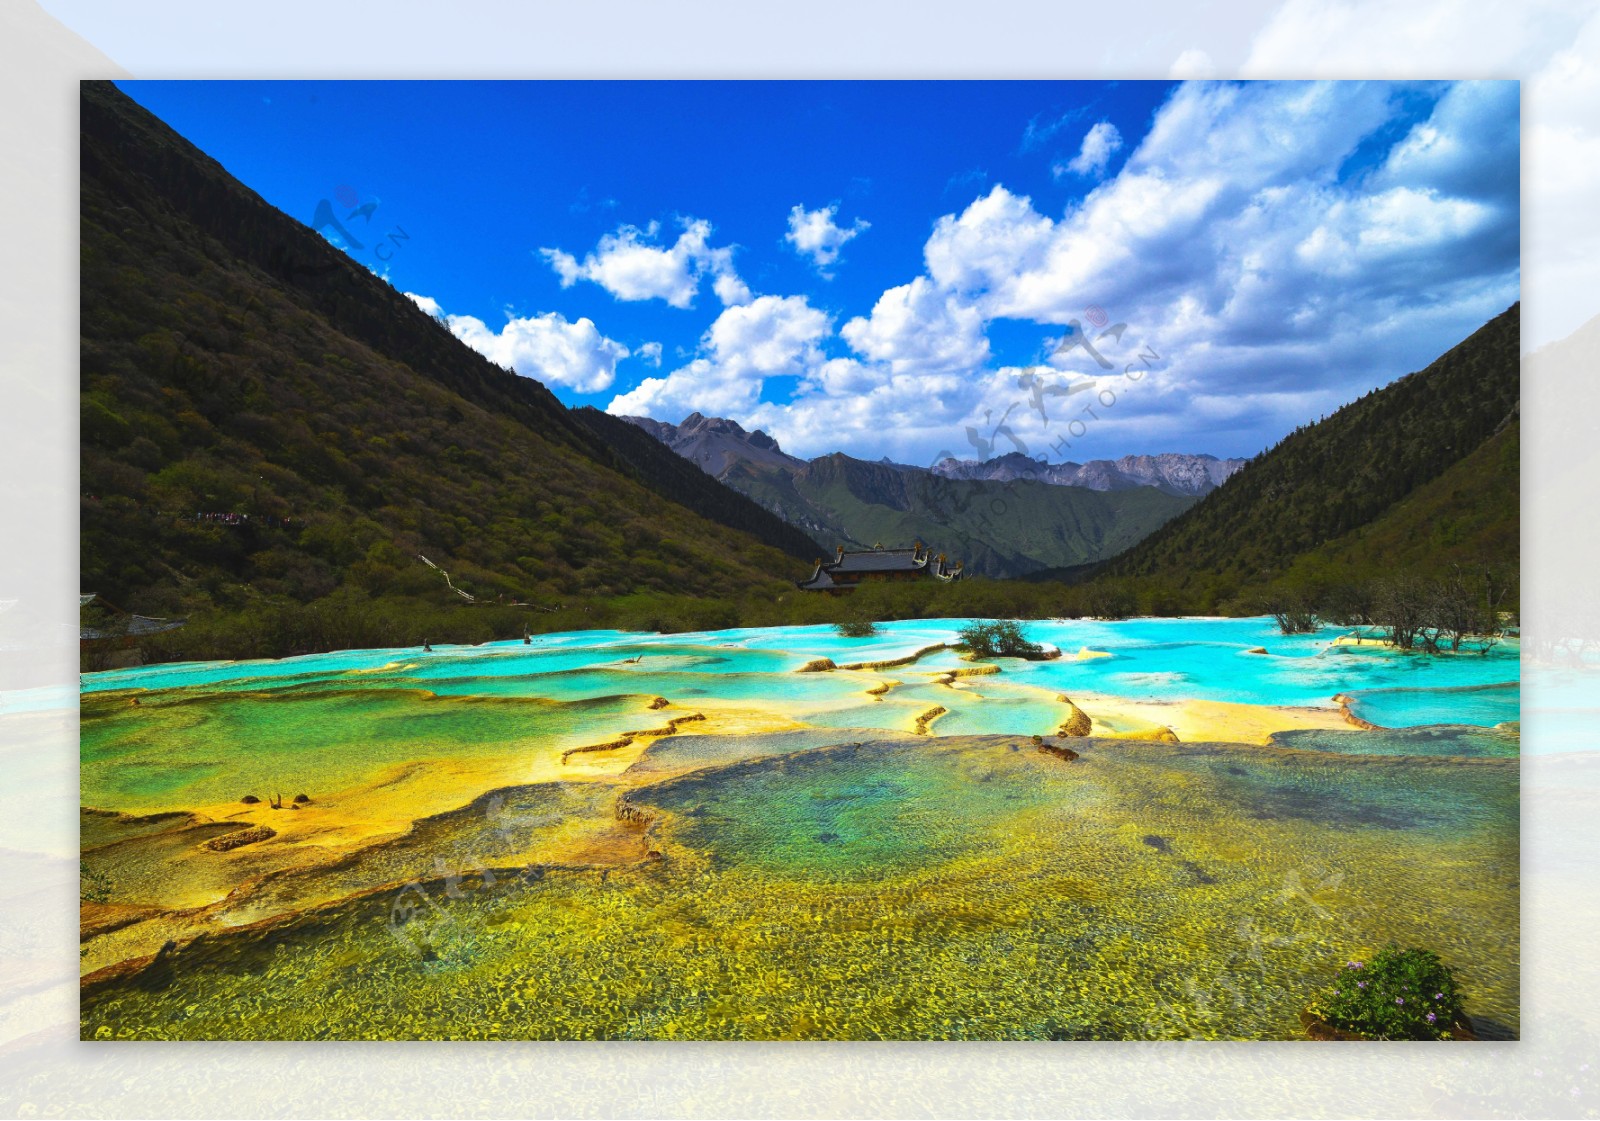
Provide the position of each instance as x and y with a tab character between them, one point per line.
947	888
794	861
1155	659
1484	705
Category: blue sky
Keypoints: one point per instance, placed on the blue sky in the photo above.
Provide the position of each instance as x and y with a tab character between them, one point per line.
892	268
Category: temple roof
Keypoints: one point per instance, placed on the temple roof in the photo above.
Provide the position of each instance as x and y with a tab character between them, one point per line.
879	560
819	581
846	569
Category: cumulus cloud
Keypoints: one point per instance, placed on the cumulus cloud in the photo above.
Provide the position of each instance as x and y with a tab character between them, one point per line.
1233	201
816	235
1277	249
631	265
772	336
546	347
916	328
1100	143
650	352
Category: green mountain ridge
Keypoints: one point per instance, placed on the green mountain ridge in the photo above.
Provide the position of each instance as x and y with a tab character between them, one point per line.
271	436
1418	475
996	529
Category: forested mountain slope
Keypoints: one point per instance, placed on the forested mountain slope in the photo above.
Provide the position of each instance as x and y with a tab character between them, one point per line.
1361	478
268	428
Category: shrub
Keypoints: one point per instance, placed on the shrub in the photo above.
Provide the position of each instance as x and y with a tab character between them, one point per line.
1399	994
999	638
1291	611
856	628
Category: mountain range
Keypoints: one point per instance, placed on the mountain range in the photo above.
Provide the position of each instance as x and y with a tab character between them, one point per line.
1174	473
717	444
1003	517
280	447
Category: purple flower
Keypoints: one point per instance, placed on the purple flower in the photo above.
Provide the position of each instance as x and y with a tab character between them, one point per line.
1431	1017
1361	984
1399	1000
1438	996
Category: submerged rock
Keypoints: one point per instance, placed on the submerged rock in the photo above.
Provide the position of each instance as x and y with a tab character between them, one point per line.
928	717
241	837
1065	754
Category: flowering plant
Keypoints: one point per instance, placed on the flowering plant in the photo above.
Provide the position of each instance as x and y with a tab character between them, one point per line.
1398	994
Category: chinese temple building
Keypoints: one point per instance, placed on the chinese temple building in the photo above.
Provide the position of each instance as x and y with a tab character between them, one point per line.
846	570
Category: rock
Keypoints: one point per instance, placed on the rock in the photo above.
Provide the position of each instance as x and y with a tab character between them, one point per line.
1065	754
250	800
1077	722
1256	650
658	702
301	799
817	665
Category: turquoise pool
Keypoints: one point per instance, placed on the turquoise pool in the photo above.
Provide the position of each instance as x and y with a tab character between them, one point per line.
1155	659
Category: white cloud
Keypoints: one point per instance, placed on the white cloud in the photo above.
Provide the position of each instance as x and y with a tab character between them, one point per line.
631	266
1275	283
771	336
916	328
650	352
816	235
995	237
1099	144
427	304
1280	247
546	347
